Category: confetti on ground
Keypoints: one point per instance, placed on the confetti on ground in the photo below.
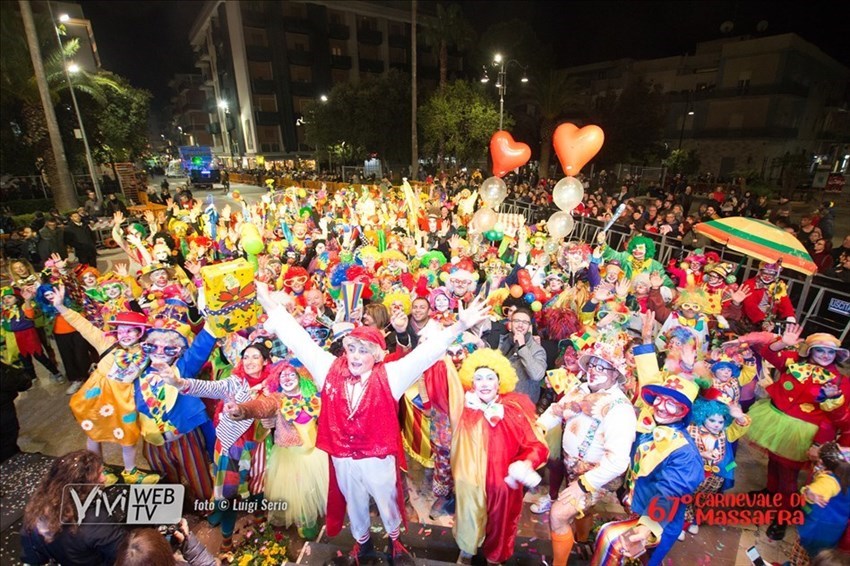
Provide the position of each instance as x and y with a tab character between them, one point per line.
339	553
532	539
420	531
524	544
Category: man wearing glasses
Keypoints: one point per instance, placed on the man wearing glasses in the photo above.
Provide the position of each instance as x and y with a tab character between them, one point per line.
526	355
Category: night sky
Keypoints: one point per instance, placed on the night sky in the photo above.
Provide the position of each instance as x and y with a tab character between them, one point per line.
147	41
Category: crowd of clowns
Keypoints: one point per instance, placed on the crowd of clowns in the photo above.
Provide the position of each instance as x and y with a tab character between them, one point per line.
388	330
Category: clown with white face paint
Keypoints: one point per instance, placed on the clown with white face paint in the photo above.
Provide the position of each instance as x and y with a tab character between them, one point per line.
666	466
297	472
495	449
599	425
802	404
761	301
105	405
359	426
717	423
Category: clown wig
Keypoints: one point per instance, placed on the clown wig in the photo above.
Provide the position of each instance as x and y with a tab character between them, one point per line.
704	408
648	242
491	359
397	296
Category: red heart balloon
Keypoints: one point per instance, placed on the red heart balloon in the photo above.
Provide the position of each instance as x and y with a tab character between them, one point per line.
575	147
507	154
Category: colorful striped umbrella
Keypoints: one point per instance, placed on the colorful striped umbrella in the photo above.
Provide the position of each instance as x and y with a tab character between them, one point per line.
759	239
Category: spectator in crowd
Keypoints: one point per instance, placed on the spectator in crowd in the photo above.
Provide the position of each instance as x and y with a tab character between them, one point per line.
143	547
79	236
822	255
843	248
93	206
13	380
526	355
51	240
52	531
114	204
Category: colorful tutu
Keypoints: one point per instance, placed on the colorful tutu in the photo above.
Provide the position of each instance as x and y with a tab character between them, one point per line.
106	410
298	476
779	433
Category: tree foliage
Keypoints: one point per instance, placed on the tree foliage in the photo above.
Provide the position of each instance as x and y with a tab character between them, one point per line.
372	116
121	124
462	119
682	161
449	29
633	123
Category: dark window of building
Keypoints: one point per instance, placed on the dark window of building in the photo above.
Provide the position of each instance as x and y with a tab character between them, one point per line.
256	37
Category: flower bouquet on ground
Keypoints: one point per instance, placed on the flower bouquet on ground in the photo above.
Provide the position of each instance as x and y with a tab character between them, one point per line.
262	546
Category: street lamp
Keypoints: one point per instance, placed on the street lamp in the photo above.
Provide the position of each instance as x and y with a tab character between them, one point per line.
68	69
501	83
689	111
323	98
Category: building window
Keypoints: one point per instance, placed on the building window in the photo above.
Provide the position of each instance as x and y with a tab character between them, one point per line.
744	81
268	134
297	42
370	52
367	24
294	10
256	37
340	76
265	102
260	70
398	55
338	47
335	17
299	74
300	104
397	28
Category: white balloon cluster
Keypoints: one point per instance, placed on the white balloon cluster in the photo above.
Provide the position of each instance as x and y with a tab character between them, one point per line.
493	192
566	195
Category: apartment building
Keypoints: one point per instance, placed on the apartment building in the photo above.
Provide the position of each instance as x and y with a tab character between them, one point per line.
744	103
264	61
190	110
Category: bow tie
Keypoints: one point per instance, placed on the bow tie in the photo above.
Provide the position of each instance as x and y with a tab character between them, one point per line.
493	412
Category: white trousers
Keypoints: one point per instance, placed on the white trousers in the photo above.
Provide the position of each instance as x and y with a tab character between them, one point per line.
361	478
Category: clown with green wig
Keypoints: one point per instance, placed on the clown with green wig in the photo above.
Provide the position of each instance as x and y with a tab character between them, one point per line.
638	257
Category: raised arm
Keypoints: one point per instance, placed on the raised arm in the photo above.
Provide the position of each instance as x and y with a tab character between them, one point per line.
315	359
404	372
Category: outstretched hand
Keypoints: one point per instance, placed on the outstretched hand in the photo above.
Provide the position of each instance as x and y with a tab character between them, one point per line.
477	312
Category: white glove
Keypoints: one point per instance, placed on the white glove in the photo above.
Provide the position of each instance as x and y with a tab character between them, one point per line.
520	472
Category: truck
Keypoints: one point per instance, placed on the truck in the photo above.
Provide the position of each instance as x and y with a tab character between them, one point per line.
199	163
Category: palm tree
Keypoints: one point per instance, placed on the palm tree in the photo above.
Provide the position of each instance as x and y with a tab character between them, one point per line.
18	86
554	94
450	28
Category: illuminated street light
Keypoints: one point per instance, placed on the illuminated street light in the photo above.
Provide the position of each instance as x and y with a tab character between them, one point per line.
74	68
222	104
323	98
501	83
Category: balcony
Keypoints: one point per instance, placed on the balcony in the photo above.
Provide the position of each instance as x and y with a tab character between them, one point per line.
338	31
298	25
304	58
211	106
214	128
400	65
302	89
270	147
258	53
370	37
397	40
371	65
263	86
744	133
267	118
341	62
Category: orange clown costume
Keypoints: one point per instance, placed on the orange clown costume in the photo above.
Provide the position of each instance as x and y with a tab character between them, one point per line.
495	448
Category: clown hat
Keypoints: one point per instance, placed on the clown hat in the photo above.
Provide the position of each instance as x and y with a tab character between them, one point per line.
824	340
679	388
611	351
129	318
725	361
145	275
369	334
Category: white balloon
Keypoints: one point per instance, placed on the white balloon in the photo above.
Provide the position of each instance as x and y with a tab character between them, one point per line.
567	193
560	225
493	191
484	219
